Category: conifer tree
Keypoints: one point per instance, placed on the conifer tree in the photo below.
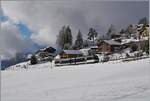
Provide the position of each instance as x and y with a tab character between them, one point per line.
64	39
79	41
33	60
92	35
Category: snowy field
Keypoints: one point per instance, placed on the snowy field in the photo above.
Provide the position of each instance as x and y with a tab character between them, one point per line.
129	81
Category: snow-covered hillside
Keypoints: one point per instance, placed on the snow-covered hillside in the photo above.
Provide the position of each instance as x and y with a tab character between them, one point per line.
127	81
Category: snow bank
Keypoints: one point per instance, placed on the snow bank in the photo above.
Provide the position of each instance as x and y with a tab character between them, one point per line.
19	66
108	81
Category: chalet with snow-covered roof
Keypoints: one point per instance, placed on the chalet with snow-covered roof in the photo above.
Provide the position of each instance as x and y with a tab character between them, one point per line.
70	54
89	50
45	54
130	43
110	46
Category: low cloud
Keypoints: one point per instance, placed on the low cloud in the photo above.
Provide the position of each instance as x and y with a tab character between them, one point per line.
43	36
11	40
49	16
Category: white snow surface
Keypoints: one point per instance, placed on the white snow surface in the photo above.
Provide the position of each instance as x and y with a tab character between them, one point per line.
128	81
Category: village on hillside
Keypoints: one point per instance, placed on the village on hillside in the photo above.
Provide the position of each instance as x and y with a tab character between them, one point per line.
126	45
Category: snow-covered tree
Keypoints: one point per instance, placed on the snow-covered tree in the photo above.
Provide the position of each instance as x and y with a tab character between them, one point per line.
111	31
64	39
92	35
79	41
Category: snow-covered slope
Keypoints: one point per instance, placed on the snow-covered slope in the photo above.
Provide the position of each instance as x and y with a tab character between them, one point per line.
127	81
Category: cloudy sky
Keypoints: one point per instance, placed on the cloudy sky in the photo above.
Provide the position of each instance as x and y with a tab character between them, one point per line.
26	23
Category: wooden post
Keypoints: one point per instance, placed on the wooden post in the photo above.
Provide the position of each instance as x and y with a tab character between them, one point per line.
51	64
75	60
0	62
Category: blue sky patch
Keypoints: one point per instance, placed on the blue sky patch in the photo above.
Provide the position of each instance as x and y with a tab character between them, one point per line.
24	30
3	18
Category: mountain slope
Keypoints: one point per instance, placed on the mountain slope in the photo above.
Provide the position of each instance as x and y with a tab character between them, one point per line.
127	81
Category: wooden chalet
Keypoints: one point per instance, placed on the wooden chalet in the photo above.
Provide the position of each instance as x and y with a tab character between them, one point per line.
46	53
70	54
135	44
109	46
130	43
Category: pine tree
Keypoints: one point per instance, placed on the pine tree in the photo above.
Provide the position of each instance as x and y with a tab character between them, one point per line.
64	39
68	39
79	41
129	30
99	40
85	43
143	21
61	37
33	60
92	34
122	31
111	31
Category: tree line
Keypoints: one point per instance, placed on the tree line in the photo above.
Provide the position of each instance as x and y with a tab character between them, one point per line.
65	38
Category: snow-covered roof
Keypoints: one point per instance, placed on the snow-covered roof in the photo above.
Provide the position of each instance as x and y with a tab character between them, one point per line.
93	47
85	51
57	57
144	38
46	48
72	51
124	41
112	42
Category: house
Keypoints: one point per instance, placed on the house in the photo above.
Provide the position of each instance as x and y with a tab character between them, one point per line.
93	50
85	51
136	44
141	30
144	32
46	54
49	50
70	54
109	46
89	50
130	43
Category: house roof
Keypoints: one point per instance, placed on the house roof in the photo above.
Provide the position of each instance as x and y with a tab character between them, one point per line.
47	49
72	51
93	47
112	42
125	41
